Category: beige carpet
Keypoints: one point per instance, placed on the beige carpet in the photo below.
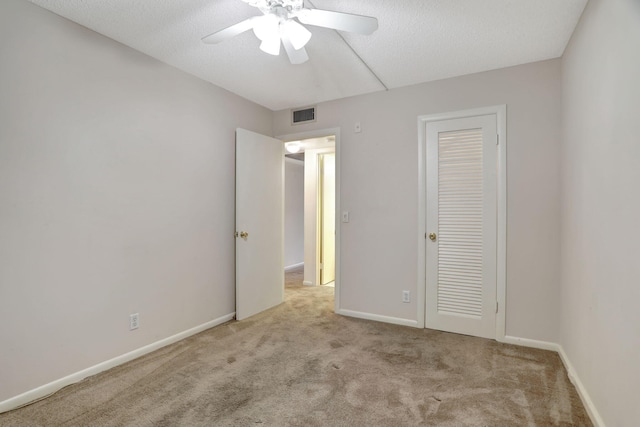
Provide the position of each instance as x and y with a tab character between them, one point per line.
300	364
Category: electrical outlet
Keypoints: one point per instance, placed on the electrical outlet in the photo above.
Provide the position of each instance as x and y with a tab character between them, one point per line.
406	296
134	321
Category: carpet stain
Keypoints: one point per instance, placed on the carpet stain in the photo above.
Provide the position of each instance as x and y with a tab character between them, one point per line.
335	344
262	341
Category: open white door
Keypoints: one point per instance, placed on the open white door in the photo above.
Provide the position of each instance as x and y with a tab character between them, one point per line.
259	223
461	225
327	210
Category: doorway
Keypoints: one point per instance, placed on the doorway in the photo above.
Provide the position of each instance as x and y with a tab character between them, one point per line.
319	152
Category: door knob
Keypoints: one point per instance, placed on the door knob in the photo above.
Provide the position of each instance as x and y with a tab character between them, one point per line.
244	234
432	236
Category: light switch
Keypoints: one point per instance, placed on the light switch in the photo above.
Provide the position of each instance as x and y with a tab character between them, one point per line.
345	216
357	128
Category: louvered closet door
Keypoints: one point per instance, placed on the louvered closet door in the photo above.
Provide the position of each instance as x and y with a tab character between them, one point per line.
462	213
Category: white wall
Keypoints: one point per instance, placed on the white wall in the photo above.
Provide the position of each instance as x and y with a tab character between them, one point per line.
293	212
379	186
116	196
601	207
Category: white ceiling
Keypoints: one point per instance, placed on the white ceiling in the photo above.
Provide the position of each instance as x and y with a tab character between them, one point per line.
417	41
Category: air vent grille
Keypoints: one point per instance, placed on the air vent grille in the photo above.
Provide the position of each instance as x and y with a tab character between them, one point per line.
303	115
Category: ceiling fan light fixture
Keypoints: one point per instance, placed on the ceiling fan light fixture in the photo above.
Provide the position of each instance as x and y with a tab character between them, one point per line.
271	45
298	35
267	27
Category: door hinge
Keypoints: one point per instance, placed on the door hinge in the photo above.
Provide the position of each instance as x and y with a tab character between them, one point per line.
496	306
425	235
497	139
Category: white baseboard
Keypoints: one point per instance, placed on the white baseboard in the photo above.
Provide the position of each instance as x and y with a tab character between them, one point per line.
52	387
526	342
293	266
308	283
378	318
596	419
593	413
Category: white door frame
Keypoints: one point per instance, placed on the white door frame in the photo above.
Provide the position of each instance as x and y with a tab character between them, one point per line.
319	134
501	257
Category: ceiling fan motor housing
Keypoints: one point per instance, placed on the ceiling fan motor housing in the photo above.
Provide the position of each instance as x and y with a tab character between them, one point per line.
280	7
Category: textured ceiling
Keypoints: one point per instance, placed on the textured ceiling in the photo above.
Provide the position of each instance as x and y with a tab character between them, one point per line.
417	41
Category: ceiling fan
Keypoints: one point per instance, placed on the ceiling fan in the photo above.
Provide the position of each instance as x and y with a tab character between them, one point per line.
281	22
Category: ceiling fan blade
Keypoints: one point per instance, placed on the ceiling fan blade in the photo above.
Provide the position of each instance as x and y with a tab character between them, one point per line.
298	56
338	21
229	32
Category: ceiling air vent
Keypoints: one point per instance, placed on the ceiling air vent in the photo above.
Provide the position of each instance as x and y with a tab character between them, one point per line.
304	115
